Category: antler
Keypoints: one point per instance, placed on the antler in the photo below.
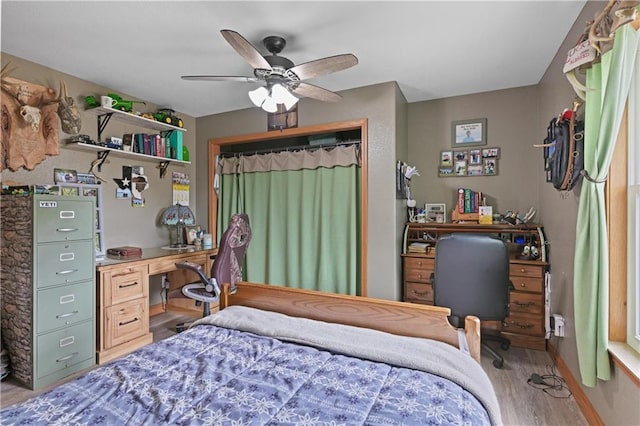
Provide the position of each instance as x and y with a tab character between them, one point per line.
594	38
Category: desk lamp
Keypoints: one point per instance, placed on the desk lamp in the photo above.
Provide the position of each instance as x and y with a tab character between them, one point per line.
178	215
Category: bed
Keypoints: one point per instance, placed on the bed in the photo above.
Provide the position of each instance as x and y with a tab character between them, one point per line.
274	355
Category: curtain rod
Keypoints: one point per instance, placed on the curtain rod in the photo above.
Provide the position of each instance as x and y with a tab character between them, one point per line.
290	148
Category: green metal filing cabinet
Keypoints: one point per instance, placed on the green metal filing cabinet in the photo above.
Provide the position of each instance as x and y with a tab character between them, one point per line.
48	286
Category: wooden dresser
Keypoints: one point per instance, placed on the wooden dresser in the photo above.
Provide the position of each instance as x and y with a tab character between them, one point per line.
525	325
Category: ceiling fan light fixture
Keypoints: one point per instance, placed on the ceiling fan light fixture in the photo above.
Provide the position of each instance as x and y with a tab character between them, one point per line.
258	96
282	95
269	105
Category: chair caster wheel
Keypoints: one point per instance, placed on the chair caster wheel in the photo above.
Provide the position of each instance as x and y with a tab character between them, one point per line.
505	346
180	327
497	363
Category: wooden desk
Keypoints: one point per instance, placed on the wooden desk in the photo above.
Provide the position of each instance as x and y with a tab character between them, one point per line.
123	296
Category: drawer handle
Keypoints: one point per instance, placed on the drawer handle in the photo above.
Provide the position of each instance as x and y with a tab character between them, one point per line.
67	214
68	271
524	305
68	357
128	322
67	341
420	293
68	314
523	270
66	229
523	285
128	285
517	324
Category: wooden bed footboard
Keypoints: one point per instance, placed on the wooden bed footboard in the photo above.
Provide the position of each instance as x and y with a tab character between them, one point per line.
404	319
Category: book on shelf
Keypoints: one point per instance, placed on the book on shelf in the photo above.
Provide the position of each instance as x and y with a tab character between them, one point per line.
469	200
417	247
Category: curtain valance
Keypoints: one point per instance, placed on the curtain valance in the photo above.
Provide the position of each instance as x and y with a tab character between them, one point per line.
291	160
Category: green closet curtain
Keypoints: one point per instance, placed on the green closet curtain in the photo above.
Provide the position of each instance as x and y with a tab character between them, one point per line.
608	85
305	224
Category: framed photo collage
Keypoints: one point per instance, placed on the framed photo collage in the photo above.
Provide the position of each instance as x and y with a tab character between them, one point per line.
469	162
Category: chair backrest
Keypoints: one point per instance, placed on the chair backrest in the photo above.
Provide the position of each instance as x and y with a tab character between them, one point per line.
227	266
472	276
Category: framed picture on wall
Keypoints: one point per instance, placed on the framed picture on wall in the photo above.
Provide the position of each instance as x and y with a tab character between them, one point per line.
469	133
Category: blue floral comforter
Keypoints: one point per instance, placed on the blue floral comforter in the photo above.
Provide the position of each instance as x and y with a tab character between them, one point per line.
219	376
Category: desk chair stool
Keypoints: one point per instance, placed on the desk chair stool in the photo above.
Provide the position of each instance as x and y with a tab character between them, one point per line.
471	277
227	266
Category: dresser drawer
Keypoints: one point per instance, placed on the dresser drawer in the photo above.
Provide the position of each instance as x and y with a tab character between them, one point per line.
522	323
534	285
62	349
418	292
526	302
63	220
61	263
424	263
523	270
121	285
62	306
125	322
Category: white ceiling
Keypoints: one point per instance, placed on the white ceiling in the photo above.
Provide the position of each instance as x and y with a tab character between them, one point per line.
433	49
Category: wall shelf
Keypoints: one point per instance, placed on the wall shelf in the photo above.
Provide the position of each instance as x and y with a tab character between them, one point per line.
103	153
105	114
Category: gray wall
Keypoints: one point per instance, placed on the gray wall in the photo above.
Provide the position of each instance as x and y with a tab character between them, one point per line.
615	400
376	103
512	125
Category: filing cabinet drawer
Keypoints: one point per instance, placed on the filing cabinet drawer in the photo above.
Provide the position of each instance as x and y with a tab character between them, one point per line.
63	220
522	323
524	270
526	302
125	284
63	349
62	306
418	293
126	321
534	285
61	263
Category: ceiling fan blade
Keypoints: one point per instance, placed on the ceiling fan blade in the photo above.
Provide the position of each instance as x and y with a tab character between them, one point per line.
245	49
324	66
310	91
240	79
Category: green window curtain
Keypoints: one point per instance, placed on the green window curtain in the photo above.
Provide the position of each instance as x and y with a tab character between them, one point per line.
608	84
305	222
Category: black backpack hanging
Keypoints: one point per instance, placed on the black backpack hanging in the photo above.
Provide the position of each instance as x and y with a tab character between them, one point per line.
564	151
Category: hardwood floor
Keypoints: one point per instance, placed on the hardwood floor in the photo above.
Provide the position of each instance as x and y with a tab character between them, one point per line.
520	403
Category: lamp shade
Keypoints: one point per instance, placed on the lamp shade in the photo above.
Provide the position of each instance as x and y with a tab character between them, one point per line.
177	213
282	95
258	96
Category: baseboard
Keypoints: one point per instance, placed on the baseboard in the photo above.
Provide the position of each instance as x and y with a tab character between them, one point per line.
589	412
156	309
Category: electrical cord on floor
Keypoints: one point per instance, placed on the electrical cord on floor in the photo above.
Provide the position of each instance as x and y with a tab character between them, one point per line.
551	383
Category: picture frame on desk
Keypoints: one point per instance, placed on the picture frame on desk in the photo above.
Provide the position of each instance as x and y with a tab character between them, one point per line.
191	232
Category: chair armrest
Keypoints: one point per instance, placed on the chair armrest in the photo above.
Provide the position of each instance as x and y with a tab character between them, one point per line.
195	268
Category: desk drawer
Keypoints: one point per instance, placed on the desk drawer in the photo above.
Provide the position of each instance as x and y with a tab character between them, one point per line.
162	266
62	306
418	292
534	285
65	348
522	323
121	285
523	270
526	302
126	321
424	263
62	263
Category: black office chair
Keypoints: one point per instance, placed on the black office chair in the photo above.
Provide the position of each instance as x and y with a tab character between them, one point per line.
227	266
471	277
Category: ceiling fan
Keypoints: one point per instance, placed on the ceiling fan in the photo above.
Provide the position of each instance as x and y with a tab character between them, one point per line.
283	78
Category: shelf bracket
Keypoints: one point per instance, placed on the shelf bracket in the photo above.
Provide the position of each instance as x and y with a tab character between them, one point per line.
103	120
102	157
163	168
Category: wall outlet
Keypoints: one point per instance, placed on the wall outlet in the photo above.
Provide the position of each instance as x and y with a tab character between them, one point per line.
165	282
557	323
